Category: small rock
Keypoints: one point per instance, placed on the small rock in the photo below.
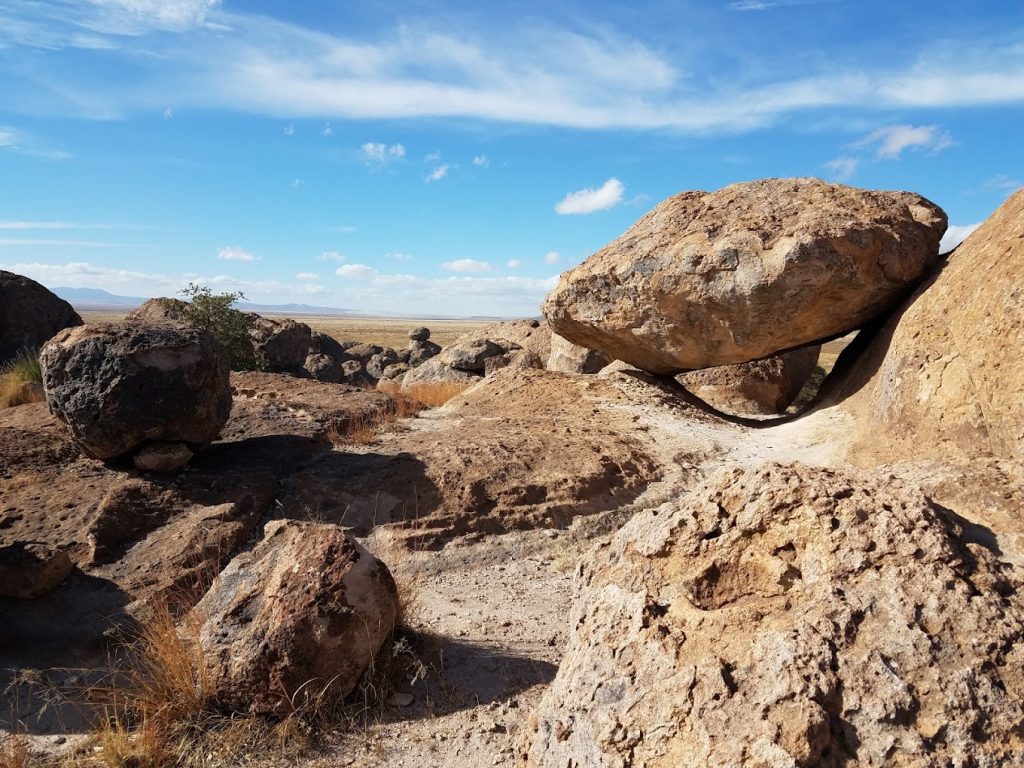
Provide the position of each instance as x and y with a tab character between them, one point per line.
162	457
28	569
401	699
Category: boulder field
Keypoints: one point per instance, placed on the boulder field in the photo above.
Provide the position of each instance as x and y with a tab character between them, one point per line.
616	573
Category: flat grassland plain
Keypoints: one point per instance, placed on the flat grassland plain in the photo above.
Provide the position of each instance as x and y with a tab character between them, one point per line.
384	331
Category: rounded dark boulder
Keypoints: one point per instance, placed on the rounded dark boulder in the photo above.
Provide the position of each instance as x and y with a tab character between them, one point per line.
120	387
30	314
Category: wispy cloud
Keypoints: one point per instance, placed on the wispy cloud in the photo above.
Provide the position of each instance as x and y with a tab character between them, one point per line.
307	276
332	256
481	161
466	265
552	257
234	253
380	153
60	243
767	5
15	140
513	263
590	200
956	234
398	256
438	173
890	142
1002	183
843	168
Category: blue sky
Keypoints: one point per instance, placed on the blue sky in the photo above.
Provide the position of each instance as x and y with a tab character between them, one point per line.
454	157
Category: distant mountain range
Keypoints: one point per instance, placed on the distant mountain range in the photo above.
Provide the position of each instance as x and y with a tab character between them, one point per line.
96	299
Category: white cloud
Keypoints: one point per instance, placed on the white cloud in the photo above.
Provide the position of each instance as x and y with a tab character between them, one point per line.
327	130
590	200
331	256
289	130
360	271
136	16
552	257
466	265
890	142
55	243
843	167
378	152
481	161
295	183
344	228
398	256
168	113
433	157
438	173
513	263
11	224
307	276
955	235
233	253
767	5
1002	183
18	141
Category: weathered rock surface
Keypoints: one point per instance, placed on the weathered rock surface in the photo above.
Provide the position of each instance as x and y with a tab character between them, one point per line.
279	345
419	334
943	378
29	569
710	279
159	311
118	387
436	371
470	355
421	351
375	365
533	335
304	612
162	457
789	616
323	368
572	358
557	452
515	358
30	315
760	387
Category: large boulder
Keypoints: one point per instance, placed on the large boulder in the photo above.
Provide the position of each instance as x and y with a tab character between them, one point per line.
789	616
302	614
943	378
531	334
708	279
29	315
279	345
159	311
436	372
567	357
121	386
470	355
758	388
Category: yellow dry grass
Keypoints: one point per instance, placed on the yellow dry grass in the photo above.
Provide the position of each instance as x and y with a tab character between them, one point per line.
363	429
14	751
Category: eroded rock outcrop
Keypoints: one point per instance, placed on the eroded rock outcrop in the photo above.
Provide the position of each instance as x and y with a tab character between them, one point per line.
760	387
119	387
789	616
943	378
301	615
30	315
709	279
572	358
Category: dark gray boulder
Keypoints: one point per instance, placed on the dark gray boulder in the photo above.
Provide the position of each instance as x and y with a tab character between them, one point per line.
30	314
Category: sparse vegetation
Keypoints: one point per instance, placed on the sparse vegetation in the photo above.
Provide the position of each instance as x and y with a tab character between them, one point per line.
15	374
364	428
213	312
14	752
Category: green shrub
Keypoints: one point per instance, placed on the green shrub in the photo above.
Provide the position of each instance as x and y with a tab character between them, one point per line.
212	312
24	367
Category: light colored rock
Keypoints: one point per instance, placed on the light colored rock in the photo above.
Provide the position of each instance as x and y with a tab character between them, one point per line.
616	366
30	314
710	279
304	612
515	358
419	334
435	371
470	355
120	386
29	569
943	378
567	357
534	335
159	311
395	371
162	457
760	387
789	616
420	351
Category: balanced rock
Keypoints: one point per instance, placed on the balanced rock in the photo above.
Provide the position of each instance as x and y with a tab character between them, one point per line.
304	612
760	387
943	378
120	386
572	358
29	569
789	616
30	315
709	279
419	334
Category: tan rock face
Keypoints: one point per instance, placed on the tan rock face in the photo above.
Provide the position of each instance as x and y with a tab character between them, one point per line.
944	377
788	616
708	279
306	610
760	387
567	357
533	335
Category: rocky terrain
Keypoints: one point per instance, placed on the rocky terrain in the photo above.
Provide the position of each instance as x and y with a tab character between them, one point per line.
595	540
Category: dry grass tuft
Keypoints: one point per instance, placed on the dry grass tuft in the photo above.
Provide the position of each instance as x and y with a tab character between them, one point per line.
15	374
15	752
364	428
435	394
